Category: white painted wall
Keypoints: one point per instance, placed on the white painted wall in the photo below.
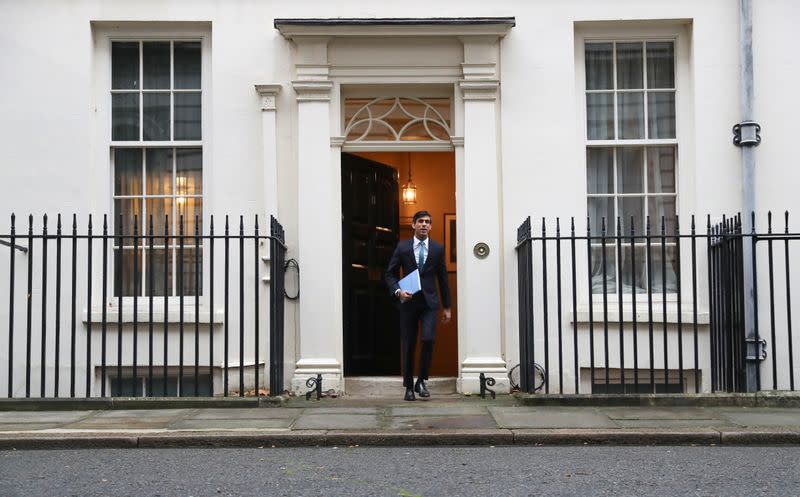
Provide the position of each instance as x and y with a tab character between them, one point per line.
53	127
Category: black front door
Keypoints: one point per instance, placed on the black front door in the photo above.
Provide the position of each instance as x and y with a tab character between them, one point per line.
369	236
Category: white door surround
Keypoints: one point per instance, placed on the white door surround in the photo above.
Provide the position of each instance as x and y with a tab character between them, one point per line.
376	57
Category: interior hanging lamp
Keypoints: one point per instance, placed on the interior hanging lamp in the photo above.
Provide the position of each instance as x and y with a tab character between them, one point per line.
409	190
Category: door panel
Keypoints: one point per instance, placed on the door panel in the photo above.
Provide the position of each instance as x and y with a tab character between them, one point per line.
369	236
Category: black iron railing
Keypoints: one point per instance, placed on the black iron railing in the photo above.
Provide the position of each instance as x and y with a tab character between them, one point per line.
651	309
158	288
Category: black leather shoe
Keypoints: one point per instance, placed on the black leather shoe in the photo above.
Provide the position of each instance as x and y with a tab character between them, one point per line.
409	395
421	389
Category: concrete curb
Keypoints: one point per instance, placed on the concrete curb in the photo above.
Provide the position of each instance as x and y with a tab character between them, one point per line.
107	403
332	438
760	399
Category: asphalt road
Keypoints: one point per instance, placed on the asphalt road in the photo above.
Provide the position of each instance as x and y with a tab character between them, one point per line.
424	472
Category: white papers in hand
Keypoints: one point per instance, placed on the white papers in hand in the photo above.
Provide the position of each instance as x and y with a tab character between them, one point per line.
411	283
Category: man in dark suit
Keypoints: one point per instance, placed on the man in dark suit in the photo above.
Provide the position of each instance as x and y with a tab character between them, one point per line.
420	308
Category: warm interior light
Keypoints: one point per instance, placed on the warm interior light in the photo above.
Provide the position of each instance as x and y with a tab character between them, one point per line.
180	189
409	191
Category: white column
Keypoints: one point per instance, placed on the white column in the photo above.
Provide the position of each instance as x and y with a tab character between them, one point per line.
480	220
318	224
269	154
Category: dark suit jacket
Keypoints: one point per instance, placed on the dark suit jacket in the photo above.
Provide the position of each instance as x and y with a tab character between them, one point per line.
433	269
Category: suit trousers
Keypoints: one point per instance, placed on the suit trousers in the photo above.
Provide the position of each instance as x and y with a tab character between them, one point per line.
413	315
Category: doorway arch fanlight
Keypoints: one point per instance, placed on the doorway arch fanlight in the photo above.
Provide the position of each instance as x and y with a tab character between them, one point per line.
397	119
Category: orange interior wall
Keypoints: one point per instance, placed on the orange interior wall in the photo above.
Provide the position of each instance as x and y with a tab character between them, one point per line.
434	175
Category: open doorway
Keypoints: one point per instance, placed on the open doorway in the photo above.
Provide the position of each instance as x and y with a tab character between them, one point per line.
374	218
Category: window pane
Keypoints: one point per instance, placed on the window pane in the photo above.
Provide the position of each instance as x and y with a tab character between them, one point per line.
124	387
659	207
668	274
189	207
661	169
604	266
599	208
187	116
125	116
661	114
600	170
630	170
161	262
127	208
159	208
124	276
631	115
156	64
189	170
159	171
631	207
629	66
633	269
156	116
599	72
187	65
192	255
125	65
660	65
600	116
127	171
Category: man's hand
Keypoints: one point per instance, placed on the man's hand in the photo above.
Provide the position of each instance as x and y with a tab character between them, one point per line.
404	296
446	316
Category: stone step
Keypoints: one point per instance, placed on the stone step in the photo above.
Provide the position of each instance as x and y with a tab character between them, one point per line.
392	386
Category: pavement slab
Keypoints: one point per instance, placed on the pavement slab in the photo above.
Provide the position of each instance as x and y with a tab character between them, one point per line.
471	421
336	421
762	416
550	417
657	413
138	413
672	423
12	427
44	416
232	424
248	413
346	410
437	410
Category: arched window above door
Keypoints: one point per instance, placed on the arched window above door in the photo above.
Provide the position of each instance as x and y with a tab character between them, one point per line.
397	119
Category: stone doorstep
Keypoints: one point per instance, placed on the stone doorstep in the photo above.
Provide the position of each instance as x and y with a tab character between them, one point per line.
392	386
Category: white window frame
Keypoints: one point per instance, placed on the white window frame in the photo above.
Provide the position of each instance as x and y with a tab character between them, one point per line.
104	34
678	31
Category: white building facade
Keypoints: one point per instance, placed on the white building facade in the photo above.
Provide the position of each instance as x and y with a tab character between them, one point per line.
542	109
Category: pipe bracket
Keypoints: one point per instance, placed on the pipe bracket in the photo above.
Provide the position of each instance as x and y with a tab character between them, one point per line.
747	134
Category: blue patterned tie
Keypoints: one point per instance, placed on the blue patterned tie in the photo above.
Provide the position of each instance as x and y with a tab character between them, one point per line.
421	260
